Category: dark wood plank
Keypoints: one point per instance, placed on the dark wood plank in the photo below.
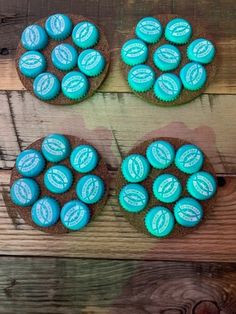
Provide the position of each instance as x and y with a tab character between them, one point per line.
111	236
117	17
42	285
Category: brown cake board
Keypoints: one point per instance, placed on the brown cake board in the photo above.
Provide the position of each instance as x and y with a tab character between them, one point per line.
137	219
198	31
95	209
94	82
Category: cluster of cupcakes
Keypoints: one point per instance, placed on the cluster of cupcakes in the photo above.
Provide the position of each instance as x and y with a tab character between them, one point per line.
78	60
58	179
157	75
176	201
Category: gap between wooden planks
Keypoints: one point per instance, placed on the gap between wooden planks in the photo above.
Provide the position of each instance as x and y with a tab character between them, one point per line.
111	236
114	123
50	285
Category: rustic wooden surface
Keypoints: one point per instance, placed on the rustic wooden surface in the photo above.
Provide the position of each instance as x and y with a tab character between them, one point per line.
115	269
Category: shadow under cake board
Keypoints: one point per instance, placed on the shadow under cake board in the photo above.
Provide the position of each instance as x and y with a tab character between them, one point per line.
137	219
198	31
94	82
95	209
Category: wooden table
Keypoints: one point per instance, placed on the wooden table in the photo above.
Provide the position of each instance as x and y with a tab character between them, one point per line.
109	267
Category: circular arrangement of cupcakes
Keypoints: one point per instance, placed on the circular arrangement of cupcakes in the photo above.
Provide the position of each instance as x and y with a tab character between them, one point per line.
166	187
59	184
168	61
62	59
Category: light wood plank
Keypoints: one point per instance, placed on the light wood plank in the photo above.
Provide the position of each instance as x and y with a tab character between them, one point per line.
116	122
43	285
111	236
117	17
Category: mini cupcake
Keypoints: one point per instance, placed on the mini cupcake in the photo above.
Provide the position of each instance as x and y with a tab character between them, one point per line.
46	86
75	85
58	26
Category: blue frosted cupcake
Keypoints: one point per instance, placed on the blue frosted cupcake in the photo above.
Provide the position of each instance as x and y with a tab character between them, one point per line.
85	35
178	31
46	86
34	37
32	63
91	62
75	85
141	78
167	57
193	76
134	51
167	87
64	57
58	26
201	50
149	29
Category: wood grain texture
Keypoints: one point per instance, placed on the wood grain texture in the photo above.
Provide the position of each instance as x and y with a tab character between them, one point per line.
113	123
111	236
117	17
43	285
116	122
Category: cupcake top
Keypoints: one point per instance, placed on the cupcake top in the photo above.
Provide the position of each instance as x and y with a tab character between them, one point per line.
34	37
85	35
167	87
189	158
149	29
159	221
134	52
30	163
64	57
84	158
167	57
91	62
201	50
24	192
188	212
32	63
90	189
46	86
178	31
141	78
58	179
75	215
45	212
133	197
75	85
202	185
58	26
193	76
55	147
135	168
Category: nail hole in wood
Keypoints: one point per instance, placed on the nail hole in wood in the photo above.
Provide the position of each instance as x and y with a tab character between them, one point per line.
4	51
221	181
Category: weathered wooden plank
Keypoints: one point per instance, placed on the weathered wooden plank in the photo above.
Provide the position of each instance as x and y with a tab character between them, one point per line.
111	236
43	285
116	122
117	17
